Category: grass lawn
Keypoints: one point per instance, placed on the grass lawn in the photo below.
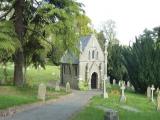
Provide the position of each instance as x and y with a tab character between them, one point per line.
12	96
146	109
34	76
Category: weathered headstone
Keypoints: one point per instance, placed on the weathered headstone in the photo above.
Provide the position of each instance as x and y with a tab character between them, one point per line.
123	97
68	87
57	88
119	83
114	81
111	115
152	90
158	101
42	91
132	88
128	84
157	90
149	92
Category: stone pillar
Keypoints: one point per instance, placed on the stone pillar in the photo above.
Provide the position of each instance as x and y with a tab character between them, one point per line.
111	115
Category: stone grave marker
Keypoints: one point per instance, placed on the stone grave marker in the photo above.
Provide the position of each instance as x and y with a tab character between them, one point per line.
114	81
57	88
157	90
158	101
132	88
152	90
42	91
119	83
128	84
149	92
111	115
68	87
123	97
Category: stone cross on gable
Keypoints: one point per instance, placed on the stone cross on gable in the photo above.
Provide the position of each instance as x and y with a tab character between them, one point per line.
152	90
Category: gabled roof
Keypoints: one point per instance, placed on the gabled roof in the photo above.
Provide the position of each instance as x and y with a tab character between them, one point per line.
70	57
84	41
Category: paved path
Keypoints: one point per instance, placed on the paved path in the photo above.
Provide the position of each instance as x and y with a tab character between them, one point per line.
61	109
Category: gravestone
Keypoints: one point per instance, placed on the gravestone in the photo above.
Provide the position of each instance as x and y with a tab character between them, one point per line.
157	90
123	97
132	88
111	115
114	81
57	88
149	92
128	84
68	87
119	83
152	90
158	101
42	91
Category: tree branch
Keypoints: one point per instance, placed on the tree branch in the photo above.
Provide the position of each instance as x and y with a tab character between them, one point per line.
40	35
5	14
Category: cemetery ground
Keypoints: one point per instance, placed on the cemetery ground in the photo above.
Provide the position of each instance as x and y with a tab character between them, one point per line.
11	96
137	107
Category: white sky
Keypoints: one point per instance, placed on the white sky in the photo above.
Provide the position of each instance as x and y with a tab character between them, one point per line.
131	16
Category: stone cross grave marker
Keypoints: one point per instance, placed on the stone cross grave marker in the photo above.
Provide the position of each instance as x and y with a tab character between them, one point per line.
114	81
42	91
68	87
123	97
128	84
149	92
152	90
158	101
57	88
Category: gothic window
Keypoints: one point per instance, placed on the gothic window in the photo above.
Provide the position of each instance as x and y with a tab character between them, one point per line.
64	71
76	70
69	66
89	55
93	52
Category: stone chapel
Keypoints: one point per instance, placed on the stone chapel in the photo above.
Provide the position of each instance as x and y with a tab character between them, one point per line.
87	66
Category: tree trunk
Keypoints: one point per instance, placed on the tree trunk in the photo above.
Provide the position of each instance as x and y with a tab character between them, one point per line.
19	29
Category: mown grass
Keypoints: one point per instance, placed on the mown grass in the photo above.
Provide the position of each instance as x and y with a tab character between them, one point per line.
147	109
34	76
13	96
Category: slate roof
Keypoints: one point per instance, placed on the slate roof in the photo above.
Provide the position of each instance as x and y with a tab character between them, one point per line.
84	41
70	57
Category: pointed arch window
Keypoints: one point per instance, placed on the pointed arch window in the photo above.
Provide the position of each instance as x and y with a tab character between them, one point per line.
97	55
93	52
89	54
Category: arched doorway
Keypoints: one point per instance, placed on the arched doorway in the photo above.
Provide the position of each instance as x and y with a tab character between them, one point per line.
94	78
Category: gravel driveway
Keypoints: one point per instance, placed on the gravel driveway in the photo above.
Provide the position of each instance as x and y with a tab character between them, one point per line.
61	109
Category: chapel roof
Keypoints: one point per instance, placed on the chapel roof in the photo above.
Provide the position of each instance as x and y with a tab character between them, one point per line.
71	57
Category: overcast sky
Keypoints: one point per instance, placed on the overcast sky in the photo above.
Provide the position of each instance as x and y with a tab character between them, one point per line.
131	16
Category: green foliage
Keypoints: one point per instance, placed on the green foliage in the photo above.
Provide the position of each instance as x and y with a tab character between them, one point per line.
83	85
141	61
46	26
8	40
116	68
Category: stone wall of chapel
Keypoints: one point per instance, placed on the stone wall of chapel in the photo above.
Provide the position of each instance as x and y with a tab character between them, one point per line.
68	74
